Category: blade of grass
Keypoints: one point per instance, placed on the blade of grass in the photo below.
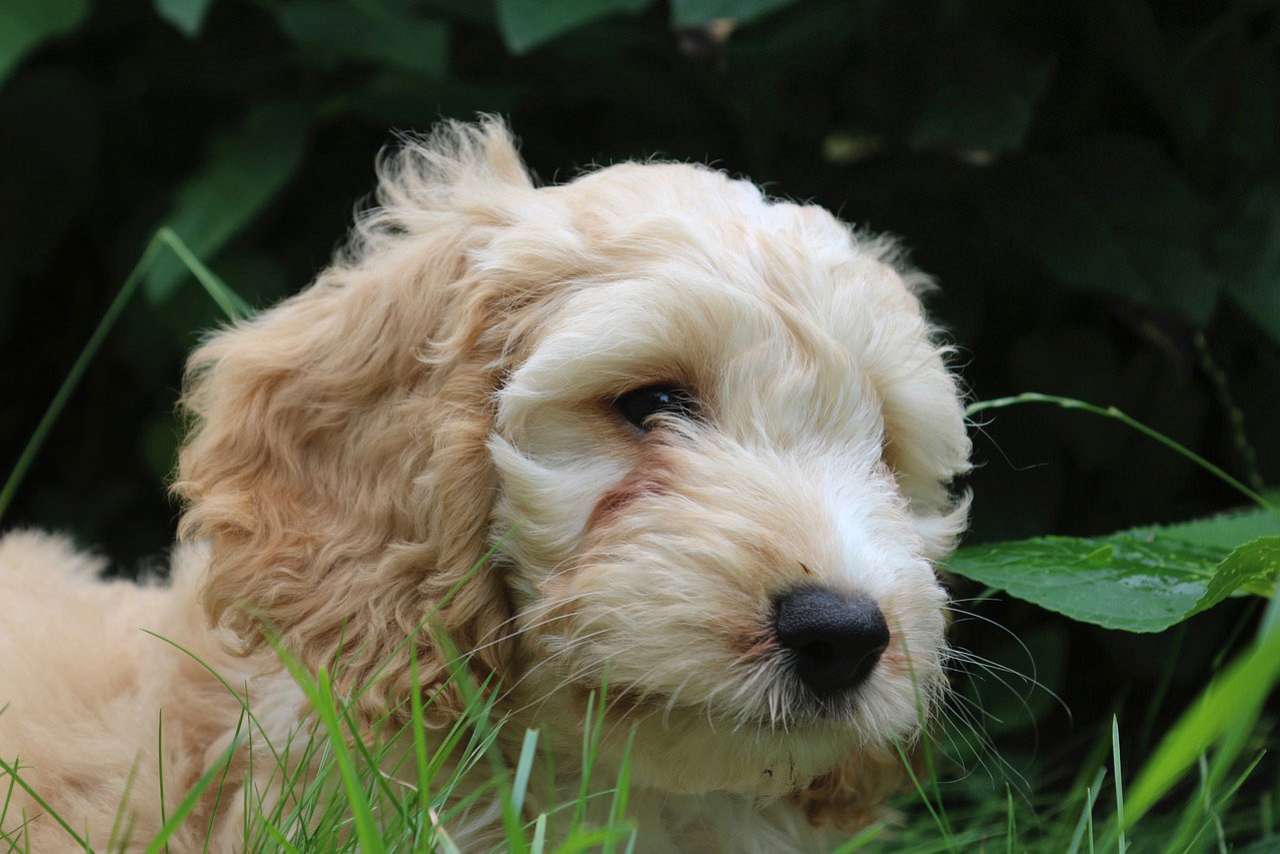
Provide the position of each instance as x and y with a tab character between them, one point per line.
160	841
584	782
279	838
1012	825
117	823
861	839
1086	815
377	779
1089	816
1237	694
539	835
231	303
523	766
227	299
942	826
43	804
621	789
474	699
160	767
445	841
926	745
78	369
320	694
222	781
8	794
1119	782
1217	808
418	722
244	706
584	839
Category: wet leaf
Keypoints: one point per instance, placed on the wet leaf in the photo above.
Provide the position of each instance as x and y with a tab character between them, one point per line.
1224	531
1144	580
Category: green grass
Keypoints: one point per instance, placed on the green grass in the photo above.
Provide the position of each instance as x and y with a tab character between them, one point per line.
346	788
343	787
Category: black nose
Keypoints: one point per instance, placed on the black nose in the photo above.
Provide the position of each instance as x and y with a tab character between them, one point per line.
835	639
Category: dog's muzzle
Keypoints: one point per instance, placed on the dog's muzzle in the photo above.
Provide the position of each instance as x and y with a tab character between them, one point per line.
834	639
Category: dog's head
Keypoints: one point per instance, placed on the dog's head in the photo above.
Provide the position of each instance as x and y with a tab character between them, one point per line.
708	436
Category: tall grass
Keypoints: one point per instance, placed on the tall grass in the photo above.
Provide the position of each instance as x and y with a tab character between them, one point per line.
336	786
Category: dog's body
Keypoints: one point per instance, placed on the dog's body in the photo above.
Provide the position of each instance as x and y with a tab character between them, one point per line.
89	740
707	437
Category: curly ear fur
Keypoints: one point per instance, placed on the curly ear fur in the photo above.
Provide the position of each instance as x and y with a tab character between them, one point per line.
336	461
853	794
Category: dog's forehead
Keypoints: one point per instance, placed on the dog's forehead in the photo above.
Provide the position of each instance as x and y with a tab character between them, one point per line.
676	272
674	220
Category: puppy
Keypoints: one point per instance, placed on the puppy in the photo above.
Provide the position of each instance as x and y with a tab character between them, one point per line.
649	428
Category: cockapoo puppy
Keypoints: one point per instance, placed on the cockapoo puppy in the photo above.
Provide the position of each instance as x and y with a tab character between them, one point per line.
683	438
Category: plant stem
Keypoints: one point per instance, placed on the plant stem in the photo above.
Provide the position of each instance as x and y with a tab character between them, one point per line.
1114	413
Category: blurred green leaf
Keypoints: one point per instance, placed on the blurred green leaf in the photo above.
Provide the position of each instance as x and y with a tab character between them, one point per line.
525	24
24	24
243	171
691	13
49	123
186	15
1135	581
1113	215
980	94
389	33
1249	248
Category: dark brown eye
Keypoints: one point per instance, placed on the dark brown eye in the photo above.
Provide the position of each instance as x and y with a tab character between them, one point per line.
639	405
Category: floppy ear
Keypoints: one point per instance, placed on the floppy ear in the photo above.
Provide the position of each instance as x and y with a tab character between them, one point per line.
853	794
336	461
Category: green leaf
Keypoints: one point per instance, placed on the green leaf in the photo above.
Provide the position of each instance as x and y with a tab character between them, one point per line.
1224	531
243	171
1140	581
1249	249
691	13
526	24
980	94
1112	215
186	15
388	34
1252	567
24	24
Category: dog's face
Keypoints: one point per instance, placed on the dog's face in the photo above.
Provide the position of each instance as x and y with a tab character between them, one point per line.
706	460
708	435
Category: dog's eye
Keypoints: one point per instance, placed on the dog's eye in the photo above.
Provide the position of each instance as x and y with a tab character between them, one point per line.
641	404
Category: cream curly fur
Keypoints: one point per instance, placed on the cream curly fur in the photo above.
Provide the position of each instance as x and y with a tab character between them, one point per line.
444	388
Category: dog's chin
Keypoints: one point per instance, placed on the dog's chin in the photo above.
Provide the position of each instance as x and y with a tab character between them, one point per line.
688	750
697	748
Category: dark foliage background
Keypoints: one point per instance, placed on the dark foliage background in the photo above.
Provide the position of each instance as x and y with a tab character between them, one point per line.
1095	185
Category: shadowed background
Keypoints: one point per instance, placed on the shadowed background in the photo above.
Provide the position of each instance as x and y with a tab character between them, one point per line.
1096	187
